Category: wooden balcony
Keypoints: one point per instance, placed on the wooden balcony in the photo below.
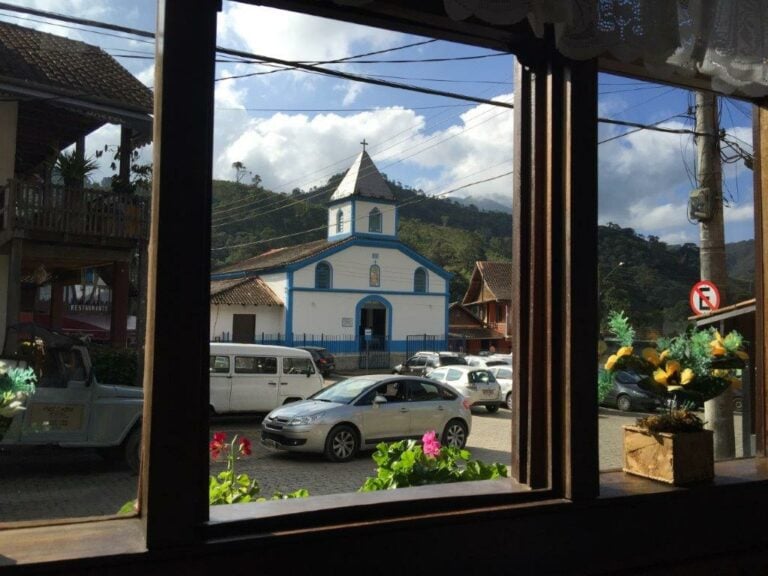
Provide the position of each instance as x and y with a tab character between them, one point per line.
72	212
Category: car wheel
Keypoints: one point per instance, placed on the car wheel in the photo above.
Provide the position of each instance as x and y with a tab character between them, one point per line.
492	408
455	434
738	403
133	449
624	403
341	444
510	401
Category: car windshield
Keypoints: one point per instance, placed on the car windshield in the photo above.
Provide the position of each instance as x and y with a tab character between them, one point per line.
480	376
344	391
451	360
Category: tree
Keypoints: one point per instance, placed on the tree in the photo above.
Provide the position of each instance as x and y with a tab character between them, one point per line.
240	171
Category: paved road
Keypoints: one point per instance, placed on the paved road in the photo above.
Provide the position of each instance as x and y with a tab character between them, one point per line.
48	482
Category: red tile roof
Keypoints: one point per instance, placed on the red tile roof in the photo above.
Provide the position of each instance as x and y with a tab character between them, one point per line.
281	256
252	290
33	59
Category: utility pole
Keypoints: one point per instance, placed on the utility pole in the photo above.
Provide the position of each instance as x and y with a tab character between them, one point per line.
718	412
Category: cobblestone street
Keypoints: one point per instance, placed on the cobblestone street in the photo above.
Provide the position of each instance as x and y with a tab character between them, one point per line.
48	482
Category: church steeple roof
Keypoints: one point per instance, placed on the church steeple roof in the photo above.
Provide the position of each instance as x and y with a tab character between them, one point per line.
364	181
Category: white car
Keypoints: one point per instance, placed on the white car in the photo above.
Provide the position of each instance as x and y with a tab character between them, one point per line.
477	384
488	361
503	374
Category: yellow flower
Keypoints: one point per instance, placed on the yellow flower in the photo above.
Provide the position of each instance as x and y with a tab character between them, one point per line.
687	376
743	355
651	356
664	376
664	354
717	346
623	351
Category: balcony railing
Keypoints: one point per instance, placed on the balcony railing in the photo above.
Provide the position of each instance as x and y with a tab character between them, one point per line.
74	211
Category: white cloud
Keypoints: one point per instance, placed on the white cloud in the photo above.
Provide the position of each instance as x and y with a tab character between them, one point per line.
293	36
290	151
147	76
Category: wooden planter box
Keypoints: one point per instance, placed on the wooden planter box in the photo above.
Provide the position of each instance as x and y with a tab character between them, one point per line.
678	458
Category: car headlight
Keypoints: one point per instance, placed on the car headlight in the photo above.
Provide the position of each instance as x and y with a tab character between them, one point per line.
304	420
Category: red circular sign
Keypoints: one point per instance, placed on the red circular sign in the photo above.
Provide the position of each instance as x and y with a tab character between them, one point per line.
704	298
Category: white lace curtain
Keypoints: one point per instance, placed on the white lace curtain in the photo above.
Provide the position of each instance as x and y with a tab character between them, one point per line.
725	40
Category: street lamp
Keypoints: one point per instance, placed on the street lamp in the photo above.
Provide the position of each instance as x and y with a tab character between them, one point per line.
600	286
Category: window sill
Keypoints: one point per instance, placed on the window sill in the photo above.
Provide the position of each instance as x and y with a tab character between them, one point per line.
124	537
94	538
618	484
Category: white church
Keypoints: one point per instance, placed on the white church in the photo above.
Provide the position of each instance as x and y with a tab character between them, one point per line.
360	285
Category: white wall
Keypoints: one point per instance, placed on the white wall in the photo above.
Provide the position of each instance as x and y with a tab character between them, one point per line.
346	207
387	217
269	319
278	283
351	267
322	312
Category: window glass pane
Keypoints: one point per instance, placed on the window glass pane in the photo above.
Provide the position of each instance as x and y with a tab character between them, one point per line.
374	220
255	365
659	235
331	293
74	289
323	275
297	366
420	280
220	364
374	276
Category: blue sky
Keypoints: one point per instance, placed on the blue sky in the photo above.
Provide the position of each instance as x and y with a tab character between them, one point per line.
295	129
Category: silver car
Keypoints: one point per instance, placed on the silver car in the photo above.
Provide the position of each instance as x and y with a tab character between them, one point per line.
362	411
476	384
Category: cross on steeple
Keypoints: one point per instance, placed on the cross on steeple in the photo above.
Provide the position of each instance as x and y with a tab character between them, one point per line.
364	143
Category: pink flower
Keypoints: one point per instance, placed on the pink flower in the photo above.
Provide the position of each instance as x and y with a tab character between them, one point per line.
245	446
431	444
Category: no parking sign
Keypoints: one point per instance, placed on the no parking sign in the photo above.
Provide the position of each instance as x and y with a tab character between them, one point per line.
705	297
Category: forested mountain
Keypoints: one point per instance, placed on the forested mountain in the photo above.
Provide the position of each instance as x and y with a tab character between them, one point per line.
652	284
249	220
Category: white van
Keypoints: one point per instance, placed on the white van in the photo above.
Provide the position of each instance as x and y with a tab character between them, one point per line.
258	378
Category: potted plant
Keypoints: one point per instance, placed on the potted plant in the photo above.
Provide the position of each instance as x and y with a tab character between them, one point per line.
16	386
673	446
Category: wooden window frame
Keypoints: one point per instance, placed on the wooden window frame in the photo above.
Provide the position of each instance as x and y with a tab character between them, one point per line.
554	297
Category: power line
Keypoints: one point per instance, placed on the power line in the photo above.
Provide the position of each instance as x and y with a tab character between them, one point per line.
359	78
639	127
325	227
262	58
290	201
377	109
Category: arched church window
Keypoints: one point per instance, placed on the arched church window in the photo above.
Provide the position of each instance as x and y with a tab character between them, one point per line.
374	276
420	280
374	220
339	221
323	275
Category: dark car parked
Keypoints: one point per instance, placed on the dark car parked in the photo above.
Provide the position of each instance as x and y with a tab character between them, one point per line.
324	360
422	362
627	395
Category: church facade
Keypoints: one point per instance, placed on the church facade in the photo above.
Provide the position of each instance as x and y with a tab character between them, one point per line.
360	285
